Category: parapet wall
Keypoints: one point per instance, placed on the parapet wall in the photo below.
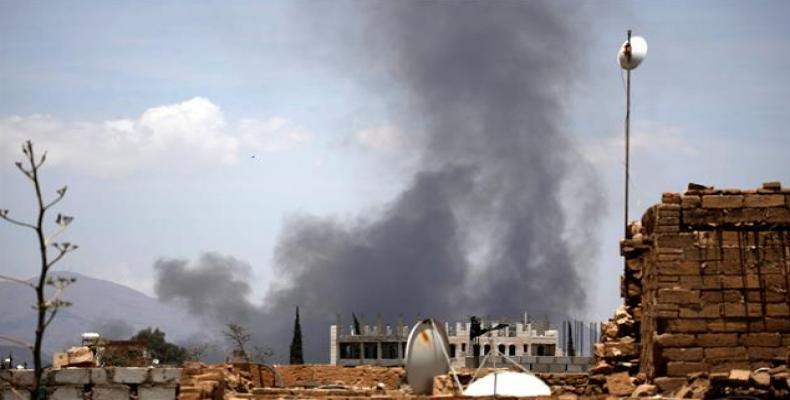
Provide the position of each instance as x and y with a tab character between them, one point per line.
706	281
94	383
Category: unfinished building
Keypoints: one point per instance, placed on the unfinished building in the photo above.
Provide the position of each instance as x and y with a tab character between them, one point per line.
530	344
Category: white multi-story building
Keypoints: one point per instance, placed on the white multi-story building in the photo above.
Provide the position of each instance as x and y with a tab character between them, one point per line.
385	345
517	340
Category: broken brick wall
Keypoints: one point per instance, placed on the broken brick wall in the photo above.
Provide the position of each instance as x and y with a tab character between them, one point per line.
706	281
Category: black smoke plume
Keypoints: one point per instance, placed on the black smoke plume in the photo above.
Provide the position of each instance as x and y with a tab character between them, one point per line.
480	229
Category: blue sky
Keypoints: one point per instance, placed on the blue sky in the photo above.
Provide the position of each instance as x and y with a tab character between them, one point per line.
152	112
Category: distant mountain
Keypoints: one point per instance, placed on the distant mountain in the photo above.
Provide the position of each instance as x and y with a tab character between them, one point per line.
113	310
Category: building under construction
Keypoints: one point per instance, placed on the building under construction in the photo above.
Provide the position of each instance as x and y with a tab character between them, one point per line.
530	343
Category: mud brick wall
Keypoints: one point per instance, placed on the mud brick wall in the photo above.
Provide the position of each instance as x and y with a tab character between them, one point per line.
707	277
360	376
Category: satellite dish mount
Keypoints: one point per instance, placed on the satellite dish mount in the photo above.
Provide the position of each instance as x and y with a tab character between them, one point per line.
631	54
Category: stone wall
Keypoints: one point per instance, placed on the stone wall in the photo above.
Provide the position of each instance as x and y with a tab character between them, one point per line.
94	383
706	282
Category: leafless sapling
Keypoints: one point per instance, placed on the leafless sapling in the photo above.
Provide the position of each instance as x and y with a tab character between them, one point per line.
46	307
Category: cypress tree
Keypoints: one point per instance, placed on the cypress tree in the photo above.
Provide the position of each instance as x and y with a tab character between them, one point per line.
296	342
570	351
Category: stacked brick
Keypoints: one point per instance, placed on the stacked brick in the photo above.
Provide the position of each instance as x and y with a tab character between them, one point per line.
764	383
237	380
200	381
713	291
618	349
367	376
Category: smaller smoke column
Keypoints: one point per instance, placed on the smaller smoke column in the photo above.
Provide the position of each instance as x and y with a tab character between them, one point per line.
215	286
113	328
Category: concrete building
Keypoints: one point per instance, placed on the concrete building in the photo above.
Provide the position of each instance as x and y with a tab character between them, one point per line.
373	345
528	343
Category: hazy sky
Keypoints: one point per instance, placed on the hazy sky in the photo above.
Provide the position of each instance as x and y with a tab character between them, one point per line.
183	128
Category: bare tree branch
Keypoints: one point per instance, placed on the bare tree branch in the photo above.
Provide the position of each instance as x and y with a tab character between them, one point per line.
59	283
4	215
19	281
54	235
51	316
61	193
27	173
63	248
45	309
53	301
63	222
41	162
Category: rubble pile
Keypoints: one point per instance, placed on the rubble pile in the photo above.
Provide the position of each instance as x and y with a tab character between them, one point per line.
618	349
201	381
766	383
581	384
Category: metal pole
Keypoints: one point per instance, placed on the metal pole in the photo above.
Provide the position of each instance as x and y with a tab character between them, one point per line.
627	127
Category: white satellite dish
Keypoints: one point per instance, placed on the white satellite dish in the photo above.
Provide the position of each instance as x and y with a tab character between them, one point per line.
426	355
638	53
509	384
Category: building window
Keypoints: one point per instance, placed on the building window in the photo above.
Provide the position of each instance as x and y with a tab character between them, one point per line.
486	349
463	347
389	350
511	350
540	350
526	349
476	350
349	350
403	348
501	349
371	350
452	351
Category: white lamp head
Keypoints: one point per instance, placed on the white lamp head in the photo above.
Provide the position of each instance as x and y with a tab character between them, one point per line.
638	52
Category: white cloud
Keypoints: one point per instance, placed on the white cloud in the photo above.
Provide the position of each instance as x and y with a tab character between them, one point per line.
272	135
645	139
192	132
382	138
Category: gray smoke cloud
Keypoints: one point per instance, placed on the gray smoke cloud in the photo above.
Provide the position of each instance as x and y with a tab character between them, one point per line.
214	286
113	328
480	227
